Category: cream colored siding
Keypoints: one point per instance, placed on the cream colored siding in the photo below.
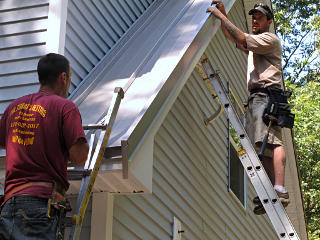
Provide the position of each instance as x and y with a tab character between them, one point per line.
190	165
189	180
23	26
93	29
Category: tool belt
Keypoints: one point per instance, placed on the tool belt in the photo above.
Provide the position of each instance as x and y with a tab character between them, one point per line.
278	109
56	199
29	184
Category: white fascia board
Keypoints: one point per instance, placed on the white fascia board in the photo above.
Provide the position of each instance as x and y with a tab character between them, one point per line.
56	31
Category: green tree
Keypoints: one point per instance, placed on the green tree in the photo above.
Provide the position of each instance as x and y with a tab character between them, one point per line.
298	26
307	138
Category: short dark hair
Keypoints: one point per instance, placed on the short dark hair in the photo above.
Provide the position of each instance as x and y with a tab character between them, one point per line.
50	67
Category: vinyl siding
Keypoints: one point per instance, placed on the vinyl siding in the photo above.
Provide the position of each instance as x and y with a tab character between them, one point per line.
23	26
190	165
93	29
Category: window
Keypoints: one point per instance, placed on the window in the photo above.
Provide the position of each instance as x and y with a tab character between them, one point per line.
237	179
237	176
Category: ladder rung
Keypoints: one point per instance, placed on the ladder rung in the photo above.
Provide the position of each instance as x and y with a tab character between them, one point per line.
78	174
94	126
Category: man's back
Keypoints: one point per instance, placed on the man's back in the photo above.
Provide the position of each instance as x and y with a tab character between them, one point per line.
40	128
40	132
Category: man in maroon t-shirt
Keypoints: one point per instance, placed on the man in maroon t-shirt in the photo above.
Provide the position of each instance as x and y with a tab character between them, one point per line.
40	133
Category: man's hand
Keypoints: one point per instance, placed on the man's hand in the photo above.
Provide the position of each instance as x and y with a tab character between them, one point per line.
231	32
78	152
220	6
215	12
218	11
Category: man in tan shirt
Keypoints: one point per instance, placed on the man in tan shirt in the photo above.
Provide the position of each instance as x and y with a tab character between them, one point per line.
264	70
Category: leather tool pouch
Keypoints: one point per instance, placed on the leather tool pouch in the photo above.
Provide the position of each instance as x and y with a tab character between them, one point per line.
278	108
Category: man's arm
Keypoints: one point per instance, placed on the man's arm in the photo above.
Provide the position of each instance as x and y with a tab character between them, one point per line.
78	152
231	32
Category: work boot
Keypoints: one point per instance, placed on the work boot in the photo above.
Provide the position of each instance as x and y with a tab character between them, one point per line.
256	200
284	198
259	209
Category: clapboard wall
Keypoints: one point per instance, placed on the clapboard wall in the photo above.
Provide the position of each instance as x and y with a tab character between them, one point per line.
23	27
93	28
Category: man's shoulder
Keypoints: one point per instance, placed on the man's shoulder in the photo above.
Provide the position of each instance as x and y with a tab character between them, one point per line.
267	36
270	34
62	103
19	100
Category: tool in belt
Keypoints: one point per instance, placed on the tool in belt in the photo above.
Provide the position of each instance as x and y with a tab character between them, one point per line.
277	112
57	200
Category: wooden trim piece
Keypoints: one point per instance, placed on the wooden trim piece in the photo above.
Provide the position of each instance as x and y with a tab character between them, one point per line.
56	32
124	152
102	216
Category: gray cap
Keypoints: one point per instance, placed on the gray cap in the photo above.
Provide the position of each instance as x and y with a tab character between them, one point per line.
262	8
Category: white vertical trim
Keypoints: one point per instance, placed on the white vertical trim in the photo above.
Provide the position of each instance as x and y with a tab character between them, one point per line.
102	216
56	31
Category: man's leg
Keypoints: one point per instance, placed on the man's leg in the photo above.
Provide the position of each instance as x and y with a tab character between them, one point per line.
279	163
31	220
275	167
268	165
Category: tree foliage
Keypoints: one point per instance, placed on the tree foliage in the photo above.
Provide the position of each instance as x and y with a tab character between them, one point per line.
298	26
307	138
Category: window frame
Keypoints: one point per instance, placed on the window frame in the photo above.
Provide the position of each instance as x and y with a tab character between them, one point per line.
232	144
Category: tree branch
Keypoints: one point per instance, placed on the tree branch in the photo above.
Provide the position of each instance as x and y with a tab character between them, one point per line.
303	66
288	59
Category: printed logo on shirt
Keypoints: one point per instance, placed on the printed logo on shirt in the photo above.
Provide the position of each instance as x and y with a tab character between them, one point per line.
24	122
29	107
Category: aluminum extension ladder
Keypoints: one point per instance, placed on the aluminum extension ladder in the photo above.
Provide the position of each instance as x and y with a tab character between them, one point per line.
88	174
251	161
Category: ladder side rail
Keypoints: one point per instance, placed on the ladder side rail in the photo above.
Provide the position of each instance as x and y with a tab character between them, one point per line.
267	193
257	174
273	206
87	182
91	144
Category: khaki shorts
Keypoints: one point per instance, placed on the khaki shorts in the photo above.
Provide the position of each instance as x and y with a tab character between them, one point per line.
257	129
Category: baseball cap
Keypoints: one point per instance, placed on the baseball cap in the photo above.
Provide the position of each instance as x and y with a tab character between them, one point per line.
262	8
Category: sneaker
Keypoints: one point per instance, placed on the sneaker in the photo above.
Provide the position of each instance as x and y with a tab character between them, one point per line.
259	209
284	198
